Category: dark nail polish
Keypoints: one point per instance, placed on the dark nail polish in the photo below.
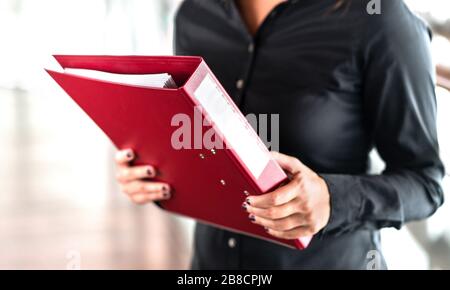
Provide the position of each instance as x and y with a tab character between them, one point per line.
247	201
129	155
165	189
149	172
166	195
252	217
244	206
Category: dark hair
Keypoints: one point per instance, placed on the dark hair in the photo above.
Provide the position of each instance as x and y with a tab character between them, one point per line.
339	4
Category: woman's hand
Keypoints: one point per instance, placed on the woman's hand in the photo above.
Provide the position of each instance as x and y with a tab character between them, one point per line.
299	208
135	180
443	76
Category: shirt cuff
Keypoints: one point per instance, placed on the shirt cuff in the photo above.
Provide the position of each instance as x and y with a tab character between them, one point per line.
345	203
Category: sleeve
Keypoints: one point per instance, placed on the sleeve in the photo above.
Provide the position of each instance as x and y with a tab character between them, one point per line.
179	29
400	114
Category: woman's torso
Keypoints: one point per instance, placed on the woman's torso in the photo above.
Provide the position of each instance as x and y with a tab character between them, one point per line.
304	66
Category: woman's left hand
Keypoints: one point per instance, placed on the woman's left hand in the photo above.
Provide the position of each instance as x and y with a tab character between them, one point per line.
297	209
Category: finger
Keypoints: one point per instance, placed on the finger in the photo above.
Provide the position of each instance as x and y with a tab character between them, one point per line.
127	173
280	196
144	198
302	231
139	187
284	224
123	157
276	212
288	163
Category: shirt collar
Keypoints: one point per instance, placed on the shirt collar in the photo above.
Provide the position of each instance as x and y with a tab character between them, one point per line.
227	4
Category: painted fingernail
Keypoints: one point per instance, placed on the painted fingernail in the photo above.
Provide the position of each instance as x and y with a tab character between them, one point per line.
244	206
166	195
252	217
165	189
129	155
247	200
150	171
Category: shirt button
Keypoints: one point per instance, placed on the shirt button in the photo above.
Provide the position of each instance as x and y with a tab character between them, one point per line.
240	84
251	48
232	243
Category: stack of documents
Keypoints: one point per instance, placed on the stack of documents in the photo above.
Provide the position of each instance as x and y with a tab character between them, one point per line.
163	80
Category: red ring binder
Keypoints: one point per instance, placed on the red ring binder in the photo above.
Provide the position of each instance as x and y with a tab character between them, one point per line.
210	185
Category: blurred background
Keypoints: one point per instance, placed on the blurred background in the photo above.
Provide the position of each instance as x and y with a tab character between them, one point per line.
59	205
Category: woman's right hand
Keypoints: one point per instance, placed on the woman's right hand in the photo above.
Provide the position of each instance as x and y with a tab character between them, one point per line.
135	181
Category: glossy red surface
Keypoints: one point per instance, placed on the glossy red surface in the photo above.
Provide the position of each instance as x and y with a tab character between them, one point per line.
210	189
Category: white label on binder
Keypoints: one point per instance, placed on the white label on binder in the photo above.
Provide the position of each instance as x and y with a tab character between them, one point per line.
235	129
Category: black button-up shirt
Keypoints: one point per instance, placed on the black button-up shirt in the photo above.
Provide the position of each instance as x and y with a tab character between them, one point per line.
343	82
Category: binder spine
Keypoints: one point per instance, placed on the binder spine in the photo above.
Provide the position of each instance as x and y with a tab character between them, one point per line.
204	90
255	188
